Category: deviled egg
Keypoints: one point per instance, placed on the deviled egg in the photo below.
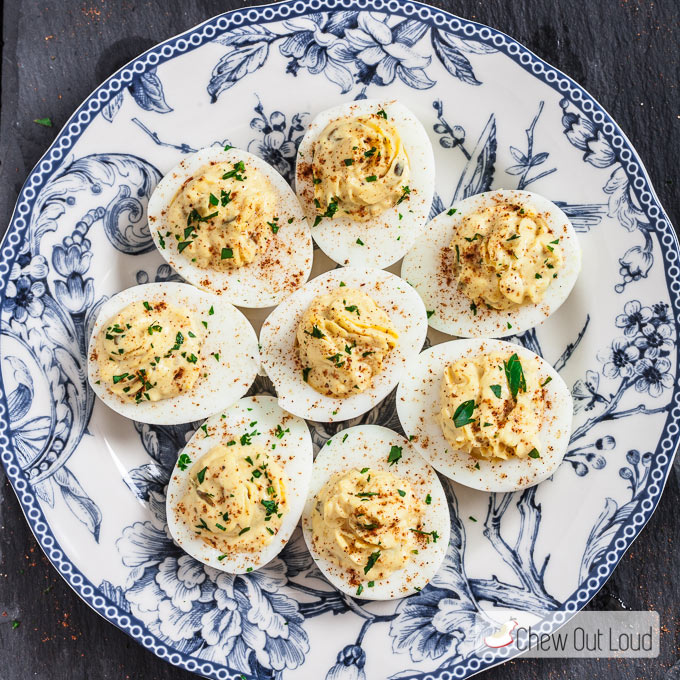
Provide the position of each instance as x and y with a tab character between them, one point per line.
365	178
230	224
168	353
486	413
339	345
376	519
239	485
495	264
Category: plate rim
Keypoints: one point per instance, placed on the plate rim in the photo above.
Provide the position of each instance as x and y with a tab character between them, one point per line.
67	136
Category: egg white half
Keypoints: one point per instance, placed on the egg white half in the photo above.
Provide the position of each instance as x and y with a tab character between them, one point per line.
418	403
369	446
385	238
450	309
284	265
293	453
229	334
279	353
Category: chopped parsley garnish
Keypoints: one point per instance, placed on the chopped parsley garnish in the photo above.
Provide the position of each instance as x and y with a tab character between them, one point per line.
515	375
279	432
221	527
457	253
353	308
394	455
202	524
372	178
477	466
373	558
370	152
183	461
537	276
204	427
405	191
246	439
184	244
216	355
213	199
236	172
360	242
272	507
225	197
366	494
305	373
118	378
360	589
430	312
243	531
401	492
274	227
428	499
474	238
227	254
496	389
365	354
382	114
147	306
534	453
546	381
463	414
200	476
344	439
451	211
433	534
45	122
473	308
316	332
349	161
513	237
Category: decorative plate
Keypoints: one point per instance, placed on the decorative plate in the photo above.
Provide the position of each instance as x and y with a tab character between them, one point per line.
92	484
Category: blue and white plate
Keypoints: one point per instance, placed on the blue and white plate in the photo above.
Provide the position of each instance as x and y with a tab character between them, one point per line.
92	484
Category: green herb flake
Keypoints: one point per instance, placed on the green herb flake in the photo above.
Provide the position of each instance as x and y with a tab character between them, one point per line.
534	453
394	455
373	558
227	254
200	476
515	375
496	389
401	492
463	414
451	211
428	499
359	242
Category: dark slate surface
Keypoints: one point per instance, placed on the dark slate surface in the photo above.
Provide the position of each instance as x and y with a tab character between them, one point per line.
56	51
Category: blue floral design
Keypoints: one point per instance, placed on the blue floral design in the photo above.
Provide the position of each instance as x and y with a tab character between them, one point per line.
622	205
350	48
49	324
279	142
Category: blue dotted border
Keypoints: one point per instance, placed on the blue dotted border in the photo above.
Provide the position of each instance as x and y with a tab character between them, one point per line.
641	186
